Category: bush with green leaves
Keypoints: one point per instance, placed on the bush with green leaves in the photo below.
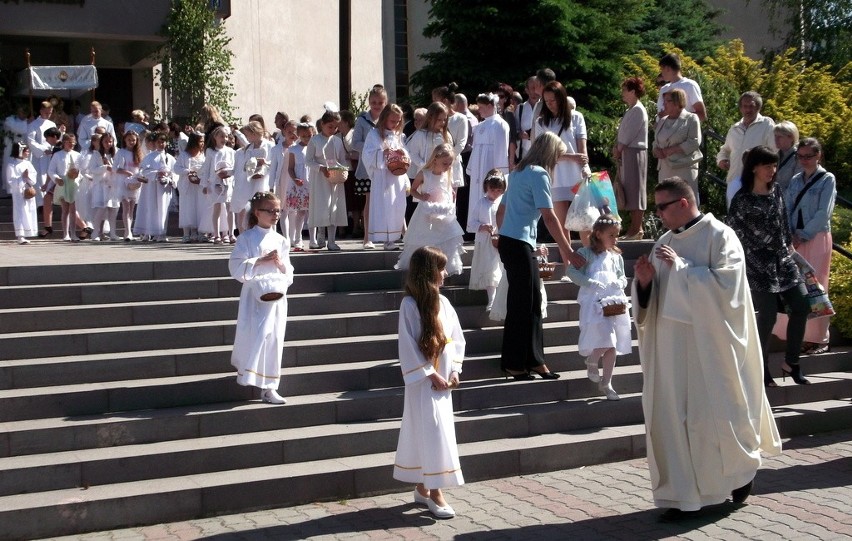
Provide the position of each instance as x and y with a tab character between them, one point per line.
196	61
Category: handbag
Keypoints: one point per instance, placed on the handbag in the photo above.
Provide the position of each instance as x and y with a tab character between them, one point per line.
270	287
817	295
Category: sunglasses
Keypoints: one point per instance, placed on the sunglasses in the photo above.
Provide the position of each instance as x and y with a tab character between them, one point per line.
663	206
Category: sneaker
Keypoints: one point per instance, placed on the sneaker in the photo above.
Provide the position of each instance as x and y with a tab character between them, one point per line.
592	371
609	392
332	246
391	246
369	245
186	239
314	246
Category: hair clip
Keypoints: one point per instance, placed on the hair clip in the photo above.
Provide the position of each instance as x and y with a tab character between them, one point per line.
608	221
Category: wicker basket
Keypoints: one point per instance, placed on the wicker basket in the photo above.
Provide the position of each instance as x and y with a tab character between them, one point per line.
29	192
610	310
337	175
545	270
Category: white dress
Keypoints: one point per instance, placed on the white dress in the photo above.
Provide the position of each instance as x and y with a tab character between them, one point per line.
298	197
60	163
486	269
419	147
597	330
153	210
259	339
124	160
327	205
387	191
192	201
434	224
23	210
567	173
490	151
103	190
245	186
427	451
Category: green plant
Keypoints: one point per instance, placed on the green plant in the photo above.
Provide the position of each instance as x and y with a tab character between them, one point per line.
358	102
196	60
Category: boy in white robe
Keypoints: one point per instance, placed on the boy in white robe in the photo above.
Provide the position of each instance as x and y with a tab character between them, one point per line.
706	414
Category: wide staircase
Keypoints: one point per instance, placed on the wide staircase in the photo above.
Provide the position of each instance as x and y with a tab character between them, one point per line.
118	405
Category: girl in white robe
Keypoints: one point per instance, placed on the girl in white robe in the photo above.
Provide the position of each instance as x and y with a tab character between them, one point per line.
490	149
602	281
430	357
327	204
217	183
188	166
261	261
386	211
127	161
434	221
158	168
433	133
104	191
486	269
251	171
21	174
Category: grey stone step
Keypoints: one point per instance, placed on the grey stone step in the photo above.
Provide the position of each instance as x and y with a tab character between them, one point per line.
103	507
133	395
100	466
180	498
308	336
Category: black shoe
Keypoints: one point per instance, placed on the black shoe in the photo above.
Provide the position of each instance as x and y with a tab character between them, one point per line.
547	375
519	376
48	231
795	372
676	515
739	495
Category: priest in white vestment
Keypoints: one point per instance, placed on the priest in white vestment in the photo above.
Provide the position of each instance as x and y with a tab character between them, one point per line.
706	414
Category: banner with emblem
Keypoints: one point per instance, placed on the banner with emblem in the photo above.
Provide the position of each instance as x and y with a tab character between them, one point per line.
66	81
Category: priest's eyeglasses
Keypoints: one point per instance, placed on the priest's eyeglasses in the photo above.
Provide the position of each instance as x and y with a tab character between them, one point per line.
661	207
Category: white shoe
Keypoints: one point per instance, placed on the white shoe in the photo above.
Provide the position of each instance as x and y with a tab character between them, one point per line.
592	371
332	246
22	240
271	396
609	392
438	511
565	278
369	245
391	246
420	498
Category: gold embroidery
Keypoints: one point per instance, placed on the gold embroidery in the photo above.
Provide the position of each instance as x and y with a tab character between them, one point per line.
446	472
262	375
414	369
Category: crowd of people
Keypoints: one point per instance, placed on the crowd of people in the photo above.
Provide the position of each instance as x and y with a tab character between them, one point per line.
493	170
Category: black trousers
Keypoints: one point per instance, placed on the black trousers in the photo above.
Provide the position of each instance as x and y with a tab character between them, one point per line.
523	337
766	305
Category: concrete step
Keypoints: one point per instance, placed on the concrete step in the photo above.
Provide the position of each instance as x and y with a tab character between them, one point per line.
135	395
144	502
105	465
309	337
92	507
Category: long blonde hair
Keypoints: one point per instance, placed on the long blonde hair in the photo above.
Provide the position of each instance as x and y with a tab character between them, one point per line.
421	283
383	117
440	151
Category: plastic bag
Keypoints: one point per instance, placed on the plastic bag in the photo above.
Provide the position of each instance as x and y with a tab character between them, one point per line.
595	197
